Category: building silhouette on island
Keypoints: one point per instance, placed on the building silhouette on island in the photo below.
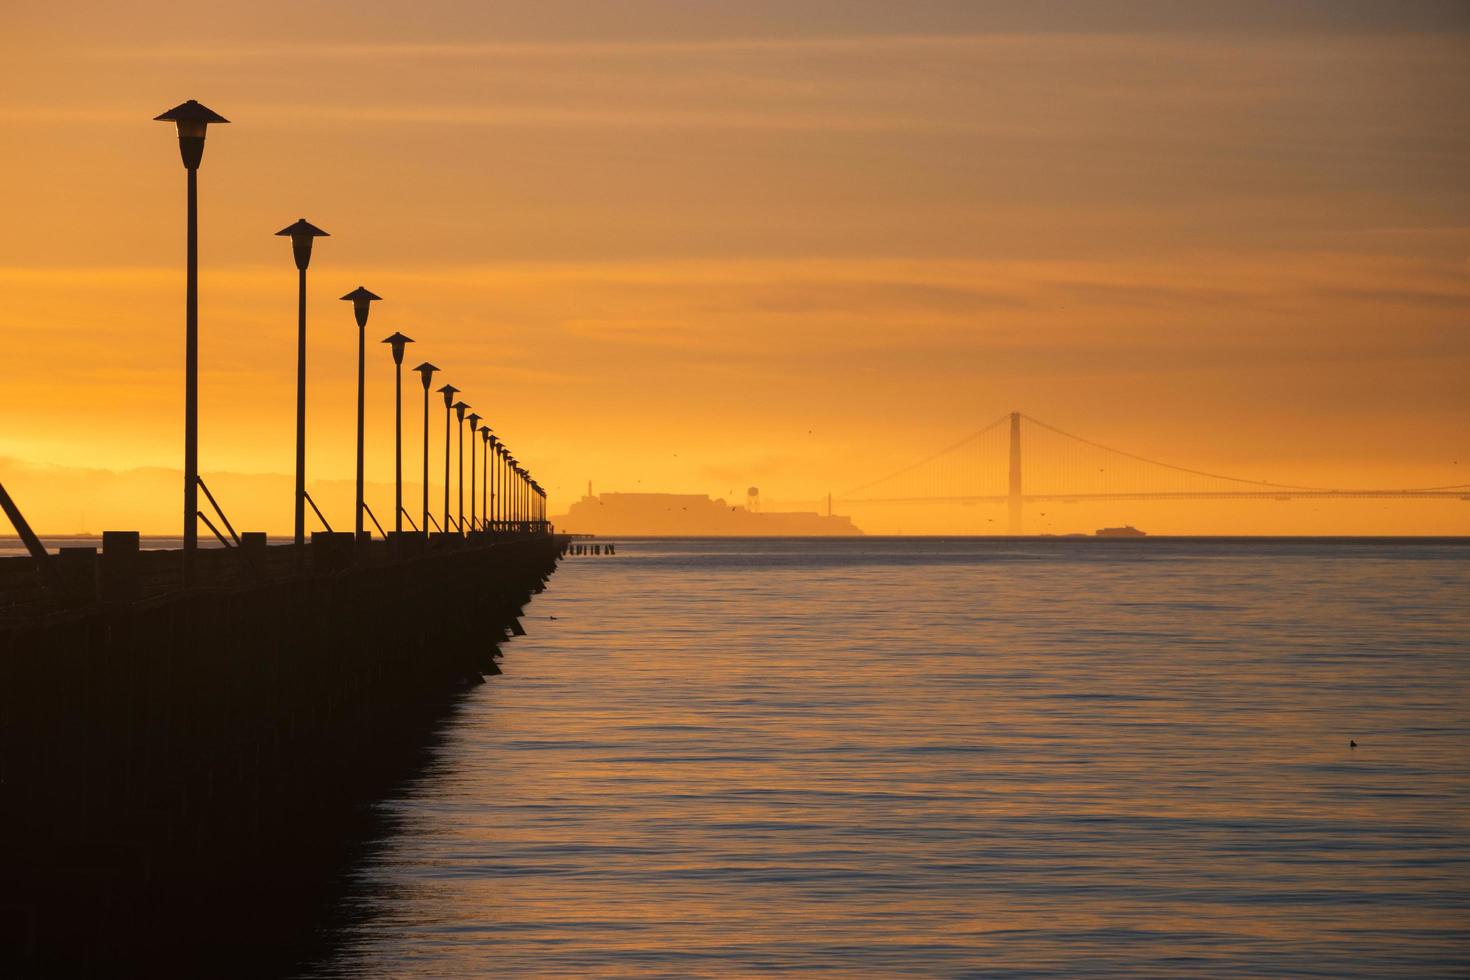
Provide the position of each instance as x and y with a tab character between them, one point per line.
691	515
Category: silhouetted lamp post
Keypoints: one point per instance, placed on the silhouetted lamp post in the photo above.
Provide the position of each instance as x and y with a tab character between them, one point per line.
494	475
361	299
192	119
503	509
448	391
399	341
459	410
474	421
520	495
426	372
485	480
511	469
509	507
302	233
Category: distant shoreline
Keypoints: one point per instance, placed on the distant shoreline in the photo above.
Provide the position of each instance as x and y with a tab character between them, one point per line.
1143	541
1056	538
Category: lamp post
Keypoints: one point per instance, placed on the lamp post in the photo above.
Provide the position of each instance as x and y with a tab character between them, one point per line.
448	392
360	299
522	496
426	372
512	468
459	410
474	421
192	119
508	475
492	477
302	233
503	484
485	480
399	341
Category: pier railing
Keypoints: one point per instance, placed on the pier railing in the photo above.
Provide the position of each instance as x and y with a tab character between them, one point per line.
76	578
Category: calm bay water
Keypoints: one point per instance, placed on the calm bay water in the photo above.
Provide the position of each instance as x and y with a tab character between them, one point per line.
929	757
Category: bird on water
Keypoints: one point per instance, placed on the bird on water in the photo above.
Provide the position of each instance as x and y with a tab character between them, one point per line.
1352	744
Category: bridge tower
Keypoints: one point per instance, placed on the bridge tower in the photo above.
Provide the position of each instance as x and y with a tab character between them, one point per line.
1013	496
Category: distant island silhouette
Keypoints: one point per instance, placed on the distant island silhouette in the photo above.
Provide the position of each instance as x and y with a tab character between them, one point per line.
681	514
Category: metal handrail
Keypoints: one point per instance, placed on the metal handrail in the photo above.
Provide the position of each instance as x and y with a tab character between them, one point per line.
375	519
210	524
318	511
215	504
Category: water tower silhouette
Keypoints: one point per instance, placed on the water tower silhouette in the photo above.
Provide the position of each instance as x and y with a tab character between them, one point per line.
753	499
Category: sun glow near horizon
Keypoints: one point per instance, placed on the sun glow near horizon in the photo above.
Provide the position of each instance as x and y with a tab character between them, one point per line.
799	247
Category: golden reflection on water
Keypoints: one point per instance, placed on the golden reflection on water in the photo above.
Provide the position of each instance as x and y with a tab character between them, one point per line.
872	757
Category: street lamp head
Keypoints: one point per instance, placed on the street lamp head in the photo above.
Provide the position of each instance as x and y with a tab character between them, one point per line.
398	341
459	410
485	434
301	233
192	119
448	392
426	371
474	422
360	299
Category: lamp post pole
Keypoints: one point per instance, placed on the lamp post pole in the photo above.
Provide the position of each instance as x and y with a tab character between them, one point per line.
448	392
474	421
301	234
399	341
426	372
512	468
502	506
505	487
485	479
361	299
459	410
492	453
191	119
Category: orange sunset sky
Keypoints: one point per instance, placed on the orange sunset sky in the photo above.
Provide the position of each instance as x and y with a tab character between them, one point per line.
694	246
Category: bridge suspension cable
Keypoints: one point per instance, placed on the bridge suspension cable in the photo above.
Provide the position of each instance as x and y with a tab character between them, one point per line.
1217	476
928	459
1060	465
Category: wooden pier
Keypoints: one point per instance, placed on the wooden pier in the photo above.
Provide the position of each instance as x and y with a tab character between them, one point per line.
183	772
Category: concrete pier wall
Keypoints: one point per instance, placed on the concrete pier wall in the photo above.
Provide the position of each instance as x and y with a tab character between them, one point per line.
183	774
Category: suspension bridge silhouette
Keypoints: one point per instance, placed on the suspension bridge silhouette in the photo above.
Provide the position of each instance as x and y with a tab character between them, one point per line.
986	467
